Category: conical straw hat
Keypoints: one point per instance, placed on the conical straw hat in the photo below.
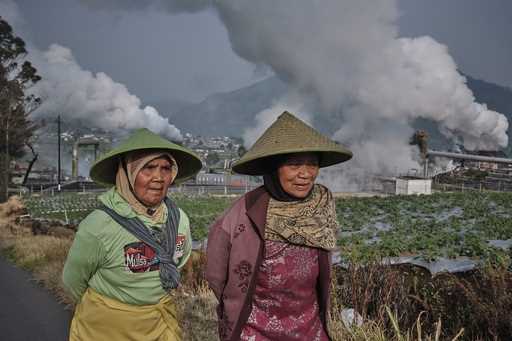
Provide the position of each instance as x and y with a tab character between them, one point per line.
288	135
104	170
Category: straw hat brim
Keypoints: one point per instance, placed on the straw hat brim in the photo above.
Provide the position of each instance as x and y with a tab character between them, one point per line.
266	163
104	170
288	135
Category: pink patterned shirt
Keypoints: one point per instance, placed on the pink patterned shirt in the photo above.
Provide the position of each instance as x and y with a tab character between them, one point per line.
285	305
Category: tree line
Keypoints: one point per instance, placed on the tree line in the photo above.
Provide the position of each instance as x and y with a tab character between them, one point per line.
17	76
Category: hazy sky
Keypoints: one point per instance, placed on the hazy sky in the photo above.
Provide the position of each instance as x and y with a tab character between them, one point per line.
188	56
156	55
477	33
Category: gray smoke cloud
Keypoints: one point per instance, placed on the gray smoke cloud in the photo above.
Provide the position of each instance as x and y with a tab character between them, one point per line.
345	59
74	93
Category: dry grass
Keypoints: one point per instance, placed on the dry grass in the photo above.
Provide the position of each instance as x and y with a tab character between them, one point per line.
406	303
196	302
196	311
43	255
8	228
12	207
31	252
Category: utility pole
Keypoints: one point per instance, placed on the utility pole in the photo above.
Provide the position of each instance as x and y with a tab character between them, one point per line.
5	177
58	149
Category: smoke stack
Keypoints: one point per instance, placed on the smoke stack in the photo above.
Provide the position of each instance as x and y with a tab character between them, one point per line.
74	161
420	139
82	142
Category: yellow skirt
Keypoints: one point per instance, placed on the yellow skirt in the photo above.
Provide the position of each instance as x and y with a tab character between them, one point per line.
99	318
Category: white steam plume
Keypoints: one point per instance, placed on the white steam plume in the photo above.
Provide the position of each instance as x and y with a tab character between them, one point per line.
75	93
347	55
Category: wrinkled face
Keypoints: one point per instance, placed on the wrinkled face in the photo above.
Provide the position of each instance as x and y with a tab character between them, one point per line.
153	181
297	174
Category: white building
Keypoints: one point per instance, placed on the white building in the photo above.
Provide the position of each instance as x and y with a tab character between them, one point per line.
412	185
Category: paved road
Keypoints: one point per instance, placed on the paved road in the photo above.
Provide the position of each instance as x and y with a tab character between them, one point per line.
27	311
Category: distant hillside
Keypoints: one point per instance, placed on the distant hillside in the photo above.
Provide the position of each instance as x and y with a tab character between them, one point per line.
230	113
169	107
227	113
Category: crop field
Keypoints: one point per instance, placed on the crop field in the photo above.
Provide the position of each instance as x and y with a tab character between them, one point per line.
71	208
445	225
202	211
449	225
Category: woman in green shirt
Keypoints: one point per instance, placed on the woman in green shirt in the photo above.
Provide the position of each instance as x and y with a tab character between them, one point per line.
126	255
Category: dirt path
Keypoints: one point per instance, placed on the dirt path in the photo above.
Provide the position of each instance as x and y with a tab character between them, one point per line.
28	311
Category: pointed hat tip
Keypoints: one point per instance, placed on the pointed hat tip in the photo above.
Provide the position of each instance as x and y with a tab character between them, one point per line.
285	113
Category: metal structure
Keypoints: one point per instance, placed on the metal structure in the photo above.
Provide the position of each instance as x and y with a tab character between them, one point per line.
58	154
82	142
420	138
459	156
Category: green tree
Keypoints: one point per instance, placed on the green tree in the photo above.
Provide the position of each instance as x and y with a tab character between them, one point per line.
16	76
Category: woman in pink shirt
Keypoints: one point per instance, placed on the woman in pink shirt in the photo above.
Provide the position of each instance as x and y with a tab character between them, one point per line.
268	256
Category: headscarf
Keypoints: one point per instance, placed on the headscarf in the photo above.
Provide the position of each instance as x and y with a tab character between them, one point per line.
127	171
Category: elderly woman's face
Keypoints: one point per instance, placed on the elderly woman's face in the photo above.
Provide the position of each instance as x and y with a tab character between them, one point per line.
297	174
153	181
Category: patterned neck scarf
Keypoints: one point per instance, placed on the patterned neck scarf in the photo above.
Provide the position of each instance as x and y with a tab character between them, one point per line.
310	222
127	171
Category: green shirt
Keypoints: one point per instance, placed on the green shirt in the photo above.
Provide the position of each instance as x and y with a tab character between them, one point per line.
113	262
